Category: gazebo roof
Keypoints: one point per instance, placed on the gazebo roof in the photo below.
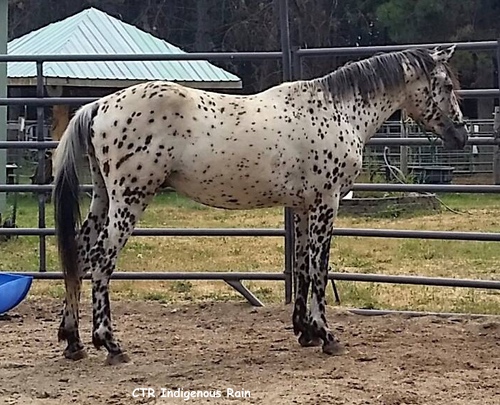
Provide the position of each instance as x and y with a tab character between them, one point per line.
93	32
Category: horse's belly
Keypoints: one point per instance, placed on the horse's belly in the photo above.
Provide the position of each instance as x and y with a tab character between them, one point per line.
234	194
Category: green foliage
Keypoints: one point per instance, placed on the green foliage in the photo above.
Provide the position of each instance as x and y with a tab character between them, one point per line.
426	21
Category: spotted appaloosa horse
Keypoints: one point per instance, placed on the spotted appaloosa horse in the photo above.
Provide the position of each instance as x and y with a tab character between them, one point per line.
295	145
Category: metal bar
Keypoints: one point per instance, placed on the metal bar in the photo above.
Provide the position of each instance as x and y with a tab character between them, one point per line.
376	141
361	50
335	291
496	124
218	232
418	188
379	141
238	286
185	232
428	188
28	145
478	93
40	119
496	155
141	275
137	57
417	280
286	48
4	8
264	276
33	188
47	101
404	150
412	234
296	64
290	293
287	76
370	50
497	48
413	314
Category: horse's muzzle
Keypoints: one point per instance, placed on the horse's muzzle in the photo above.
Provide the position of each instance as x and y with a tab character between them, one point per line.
455	136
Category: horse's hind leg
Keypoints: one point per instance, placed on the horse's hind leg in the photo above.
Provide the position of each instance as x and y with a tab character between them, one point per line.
301	314
119	225
87	237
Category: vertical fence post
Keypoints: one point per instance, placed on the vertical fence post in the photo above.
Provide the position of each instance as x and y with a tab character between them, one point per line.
403	161
4	7
296	75
496	153
287	76
40	118
296	64
498	63
496	126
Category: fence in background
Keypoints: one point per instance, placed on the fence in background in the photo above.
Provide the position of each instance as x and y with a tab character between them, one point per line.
473	160
291	64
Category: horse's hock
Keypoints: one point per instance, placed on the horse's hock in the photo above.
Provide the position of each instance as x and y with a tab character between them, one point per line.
390	205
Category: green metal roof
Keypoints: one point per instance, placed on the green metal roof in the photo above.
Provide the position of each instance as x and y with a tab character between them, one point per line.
95	32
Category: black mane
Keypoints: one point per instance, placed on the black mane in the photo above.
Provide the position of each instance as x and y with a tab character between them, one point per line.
382	72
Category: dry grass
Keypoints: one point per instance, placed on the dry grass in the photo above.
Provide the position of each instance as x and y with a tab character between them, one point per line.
366	255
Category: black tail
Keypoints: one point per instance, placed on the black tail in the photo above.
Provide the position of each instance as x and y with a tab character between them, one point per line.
68	155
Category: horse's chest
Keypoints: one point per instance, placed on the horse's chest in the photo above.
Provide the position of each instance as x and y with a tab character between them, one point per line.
345	169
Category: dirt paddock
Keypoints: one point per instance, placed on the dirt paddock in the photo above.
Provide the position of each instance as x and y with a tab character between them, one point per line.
390	360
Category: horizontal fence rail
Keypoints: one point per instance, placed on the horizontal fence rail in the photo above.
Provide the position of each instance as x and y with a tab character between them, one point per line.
370	50
275	232
128	57
265	276
377	141
387	187
235	56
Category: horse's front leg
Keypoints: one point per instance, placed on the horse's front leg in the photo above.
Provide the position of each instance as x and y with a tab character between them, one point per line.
321	220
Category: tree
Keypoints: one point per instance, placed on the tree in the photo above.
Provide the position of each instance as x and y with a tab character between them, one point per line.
253	25
417	21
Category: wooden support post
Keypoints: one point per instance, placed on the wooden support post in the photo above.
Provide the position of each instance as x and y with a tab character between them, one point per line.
496	155
60	120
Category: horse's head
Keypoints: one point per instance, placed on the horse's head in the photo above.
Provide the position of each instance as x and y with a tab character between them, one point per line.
433	103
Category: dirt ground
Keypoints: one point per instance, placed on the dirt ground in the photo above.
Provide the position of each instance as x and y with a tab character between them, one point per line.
390	360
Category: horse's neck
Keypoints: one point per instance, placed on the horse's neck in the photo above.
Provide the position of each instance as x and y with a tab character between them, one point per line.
368	117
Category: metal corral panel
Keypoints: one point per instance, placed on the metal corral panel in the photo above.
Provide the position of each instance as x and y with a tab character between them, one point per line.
95	32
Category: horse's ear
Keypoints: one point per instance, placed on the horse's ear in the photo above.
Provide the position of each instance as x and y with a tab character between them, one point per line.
443	55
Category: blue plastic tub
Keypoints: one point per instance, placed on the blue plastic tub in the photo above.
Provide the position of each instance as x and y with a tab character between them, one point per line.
13	290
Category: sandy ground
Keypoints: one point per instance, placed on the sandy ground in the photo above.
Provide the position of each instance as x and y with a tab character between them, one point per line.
390	360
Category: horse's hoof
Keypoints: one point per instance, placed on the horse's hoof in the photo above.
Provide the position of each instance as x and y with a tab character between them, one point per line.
334	349
61	335
114	359
306	342
75	355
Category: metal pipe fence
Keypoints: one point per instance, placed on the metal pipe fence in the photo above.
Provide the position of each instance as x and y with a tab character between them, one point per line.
276	232
291	64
